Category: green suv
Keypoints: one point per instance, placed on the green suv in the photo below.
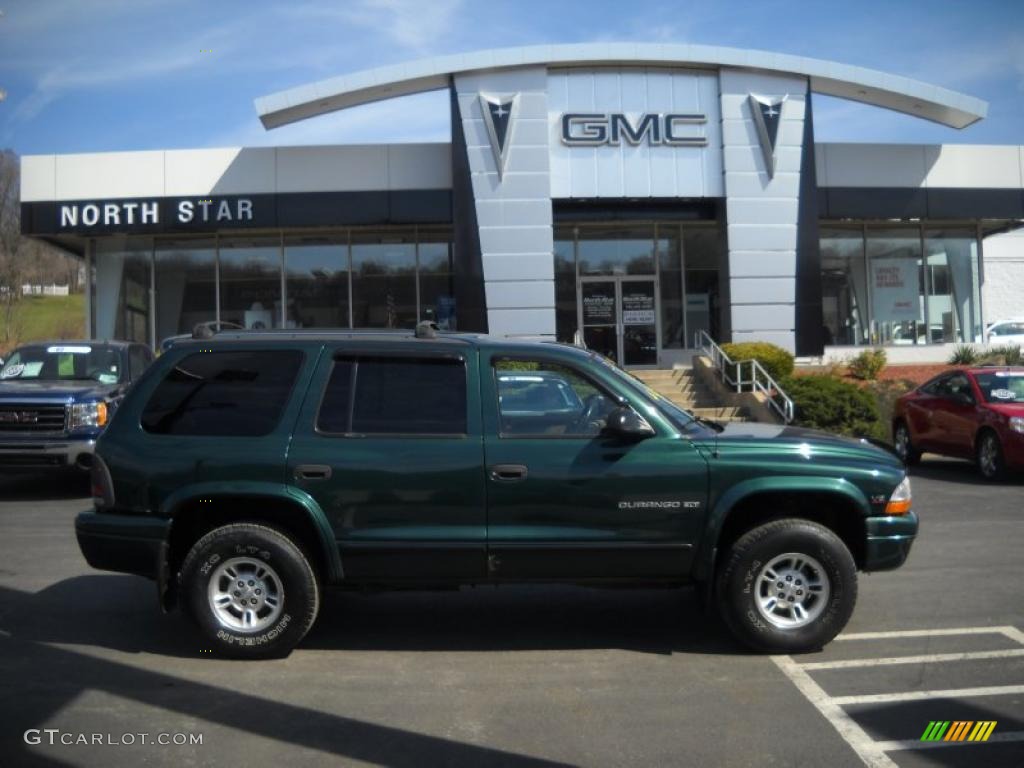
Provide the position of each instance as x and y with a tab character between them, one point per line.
248	472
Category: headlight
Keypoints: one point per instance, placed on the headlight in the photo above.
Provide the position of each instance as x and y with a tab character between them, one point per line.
1017	423
899	502
88	415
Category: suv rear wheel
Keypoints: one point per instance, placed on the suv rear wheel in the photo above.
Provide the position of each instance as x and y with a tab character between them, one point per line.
787	586
250	589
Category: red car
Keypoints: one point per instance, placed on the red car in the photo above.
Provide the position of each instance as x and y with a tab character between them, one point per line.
975	413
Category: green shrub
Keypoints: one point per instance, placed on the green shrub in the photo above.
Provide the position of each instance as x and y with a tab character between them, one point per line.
868	364
964	354
777	361
1008	354
834	405
886	393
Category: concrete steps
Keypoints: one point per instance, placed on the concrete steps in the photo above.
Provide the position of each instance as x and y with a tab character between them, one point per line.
683	388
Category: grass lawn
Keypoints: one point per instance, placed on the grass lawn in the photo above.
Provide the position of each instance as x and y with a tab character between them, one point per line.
44	317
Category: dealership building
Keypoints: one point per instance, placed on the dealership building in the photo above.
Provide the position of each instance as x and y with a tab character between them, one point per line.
633	195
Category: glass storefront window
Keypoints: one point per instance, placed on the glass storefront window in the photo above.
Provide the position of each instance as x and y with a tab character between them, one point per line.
316	274
383	280
186	288
702	251
437	279
565	284
896	283
616	250
250	281
670	275
954	304
121	288
844	299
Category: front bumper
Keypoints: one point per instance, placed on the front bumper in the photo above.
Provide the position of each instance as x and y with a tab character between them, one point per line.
123	543
889	541
49	453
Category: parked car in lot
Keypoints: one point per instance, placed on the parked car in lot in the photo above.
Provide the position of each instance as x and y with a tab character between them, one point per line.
56	398
1007	332
975	414
248	472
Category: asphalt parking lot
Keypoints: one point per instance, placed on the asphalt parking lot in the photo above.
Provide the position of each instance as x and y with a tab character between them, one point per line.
520	676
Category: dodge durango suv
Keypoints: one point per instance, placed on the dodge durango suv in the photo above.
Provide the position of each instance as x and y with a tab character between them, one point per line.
246	473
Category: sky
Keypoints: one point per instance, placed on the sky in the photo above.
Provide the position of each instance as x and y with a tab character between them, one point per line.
108	75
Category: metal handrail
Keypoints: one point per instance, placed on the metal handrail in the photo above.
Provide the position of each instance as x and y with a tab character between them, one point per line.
760	380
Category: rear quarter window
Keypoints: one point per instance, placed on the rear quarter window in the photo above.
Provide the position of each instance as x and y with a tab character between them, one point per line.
224	394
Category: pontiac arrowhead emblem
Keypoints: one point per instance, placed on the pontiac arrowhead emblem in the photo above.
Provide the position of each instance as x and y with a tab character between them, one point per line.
498	112
767	113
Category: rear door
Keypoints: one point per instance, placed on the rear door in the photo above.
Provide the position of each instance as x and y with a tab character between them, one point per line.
568	502
389	445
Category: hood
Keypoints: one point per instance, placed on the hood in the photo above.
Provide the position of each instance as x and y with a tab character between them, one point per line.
1007	409
55	391
804	442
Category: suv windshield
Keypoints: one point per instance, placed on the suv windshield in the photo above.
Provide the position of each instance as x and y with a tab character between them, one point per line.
1001	386
681	418
72	362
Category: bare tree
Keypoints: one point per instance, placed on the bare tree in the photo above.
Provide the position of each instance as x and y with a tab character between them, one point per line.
11	241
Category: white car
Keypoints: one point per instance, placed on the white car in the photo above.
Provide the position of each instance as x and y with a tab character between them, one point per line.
1007	332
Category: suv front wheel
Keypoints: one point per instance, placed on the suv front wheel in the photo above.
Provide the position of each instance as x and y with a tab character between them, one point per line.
787	586
250	589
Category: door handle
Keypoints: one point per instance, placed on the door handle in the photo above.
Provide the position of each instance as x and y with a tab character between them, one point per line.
312	472
508	473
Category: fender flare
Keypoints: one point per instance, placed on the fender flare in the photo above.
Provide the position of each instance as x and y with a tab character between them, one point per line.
704	567
294	496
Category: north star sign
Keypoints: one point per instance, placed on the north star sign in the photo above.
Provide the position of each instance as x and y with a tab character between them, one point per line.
594	129
135	212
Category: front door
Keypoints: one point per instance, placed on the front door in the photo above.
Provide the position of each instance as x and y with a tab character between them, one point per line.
564	500
619	318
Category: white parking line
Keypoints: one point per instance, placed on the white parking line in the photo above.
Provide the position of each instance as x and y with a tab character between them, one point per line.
1008	631
951	693
866	748
929	658
892	746
873	753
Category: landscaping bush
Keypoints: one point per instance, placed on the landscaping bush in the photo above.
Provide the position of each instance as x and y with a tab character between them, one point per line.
886	393
868	364
964	354
1008	354
777	361
834	405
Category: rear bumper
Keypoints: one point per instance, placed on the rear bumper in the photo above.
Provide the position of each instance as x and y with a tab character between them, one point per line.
52	453
123	543
889	541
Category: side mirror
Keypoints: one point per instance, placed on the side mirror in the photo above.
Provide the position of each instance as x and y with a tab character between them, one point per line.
626	423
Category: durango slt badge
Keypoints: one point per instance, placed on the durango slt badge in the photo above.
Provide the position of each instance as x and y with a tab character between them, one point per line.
659	505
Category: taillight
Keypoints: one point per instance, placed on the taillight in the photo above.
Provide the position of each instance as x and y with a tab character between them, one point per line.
102	485
899	502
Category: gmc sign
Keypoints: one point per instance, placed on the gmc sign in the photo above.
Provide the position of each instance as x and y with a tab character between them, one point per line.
581	129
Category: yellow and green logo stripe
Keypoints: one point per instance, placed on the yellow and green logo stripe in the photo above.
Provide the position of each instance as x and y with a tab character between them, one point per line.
958	730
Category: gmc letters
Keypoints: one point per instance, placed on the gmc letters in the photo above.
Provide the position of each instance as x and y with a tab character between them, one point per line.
580	129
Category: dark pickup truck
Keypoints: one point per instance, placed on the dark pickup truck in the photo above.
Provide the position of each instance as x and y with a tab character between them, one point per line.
56	398
248	472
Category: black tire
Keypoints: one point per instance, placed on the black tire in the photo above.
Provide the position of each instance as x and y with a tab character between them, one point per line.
905	449
288	573
991	466
739	580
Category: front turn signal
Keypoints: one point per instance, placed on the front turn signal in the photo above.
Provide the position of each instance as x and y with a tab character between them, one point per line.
899	502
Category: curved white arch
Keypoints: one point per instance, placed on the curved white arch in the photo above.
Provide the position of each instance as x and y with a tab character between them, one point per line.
869	86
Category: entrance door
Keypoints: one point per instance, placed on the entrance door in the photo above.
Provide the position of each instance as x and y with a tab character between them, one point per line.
619	317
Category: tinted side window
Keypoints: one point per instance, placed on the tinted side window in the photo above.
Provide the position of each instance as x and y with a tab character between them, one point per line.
936	386
223	393
402	396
